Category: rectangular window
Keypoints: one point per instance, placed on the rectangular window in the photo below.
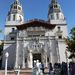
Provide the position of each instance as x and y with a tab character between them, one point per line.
12	38
60	37
25	60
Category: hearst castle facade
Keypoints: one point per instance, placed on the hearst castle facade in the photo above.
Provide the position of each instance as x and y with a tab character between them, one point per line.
35	39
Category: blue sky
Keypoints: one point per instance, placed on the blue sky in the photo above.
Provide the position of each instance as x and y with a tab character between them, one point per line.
38	9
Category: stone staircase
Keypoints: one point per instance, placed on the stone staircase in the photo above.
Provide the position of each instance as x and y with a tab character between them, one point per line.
1	72
22	72
27	71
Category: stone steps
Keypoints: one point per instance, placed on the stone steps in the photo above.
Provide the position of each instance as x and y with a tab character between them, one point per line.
22	72
1	72
27	71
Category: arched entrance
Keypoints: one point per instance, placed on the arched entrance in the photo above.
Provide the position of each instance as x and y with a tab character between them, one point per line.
36	56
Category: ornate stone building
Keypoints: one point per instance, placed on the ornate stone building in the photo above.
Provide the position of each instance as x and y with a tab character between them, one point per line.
35	39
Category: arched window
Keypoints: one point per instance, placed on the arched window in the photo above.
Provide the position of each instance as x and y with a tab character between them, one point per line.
9	18
14	17
57	16
19	8
20	18
52	16
55	6
12	38
59	28
13	29
60	37
15	7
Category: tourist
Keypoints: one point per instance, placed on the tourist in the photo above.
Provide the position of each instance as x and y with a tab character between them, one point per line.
38	67
34	68
41	65
57	69
64	69
72	68
50	69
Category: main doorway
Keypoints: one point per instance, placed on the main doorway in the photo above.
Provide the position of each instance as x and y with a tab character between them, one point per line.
36	56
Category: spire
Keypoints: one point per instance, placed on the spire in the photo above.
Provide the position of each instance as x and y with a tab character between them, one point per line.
16	0
54	7
16	11
16	7
54	1
55	12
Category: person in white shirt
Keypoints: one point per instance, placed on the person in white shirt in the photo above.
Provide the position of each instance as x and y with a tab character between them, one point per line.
38	68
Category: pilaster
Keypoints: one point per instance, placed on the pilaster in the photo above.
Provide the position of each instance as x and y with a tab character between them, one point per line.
23	61
30	59
17	46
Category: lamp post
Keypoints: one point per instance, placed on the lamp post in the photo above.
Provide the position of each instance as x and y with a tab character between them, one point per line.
6	62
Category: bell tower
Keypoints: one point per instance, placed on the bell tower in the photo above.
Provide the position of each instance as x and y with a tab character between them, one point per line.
56	16
14	17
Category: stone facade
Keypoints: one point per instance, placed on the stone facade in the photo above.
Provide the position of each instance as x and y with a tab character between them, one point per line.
34	39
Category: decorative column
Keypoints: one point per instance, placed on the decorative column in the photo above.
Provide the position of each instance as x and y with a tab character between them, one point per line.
6	62
46	61
45	53
50	51
23	62
58	55
50	56
31	59
17	46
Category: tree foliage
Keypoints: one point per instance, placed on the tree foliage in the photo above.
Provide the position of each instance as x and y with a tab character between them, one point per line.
1	49
0	31
70	41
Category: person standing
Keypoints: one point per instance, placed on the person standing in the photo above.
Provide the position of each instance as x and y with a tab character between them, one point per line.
41	65
34	69
38	67
50	69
